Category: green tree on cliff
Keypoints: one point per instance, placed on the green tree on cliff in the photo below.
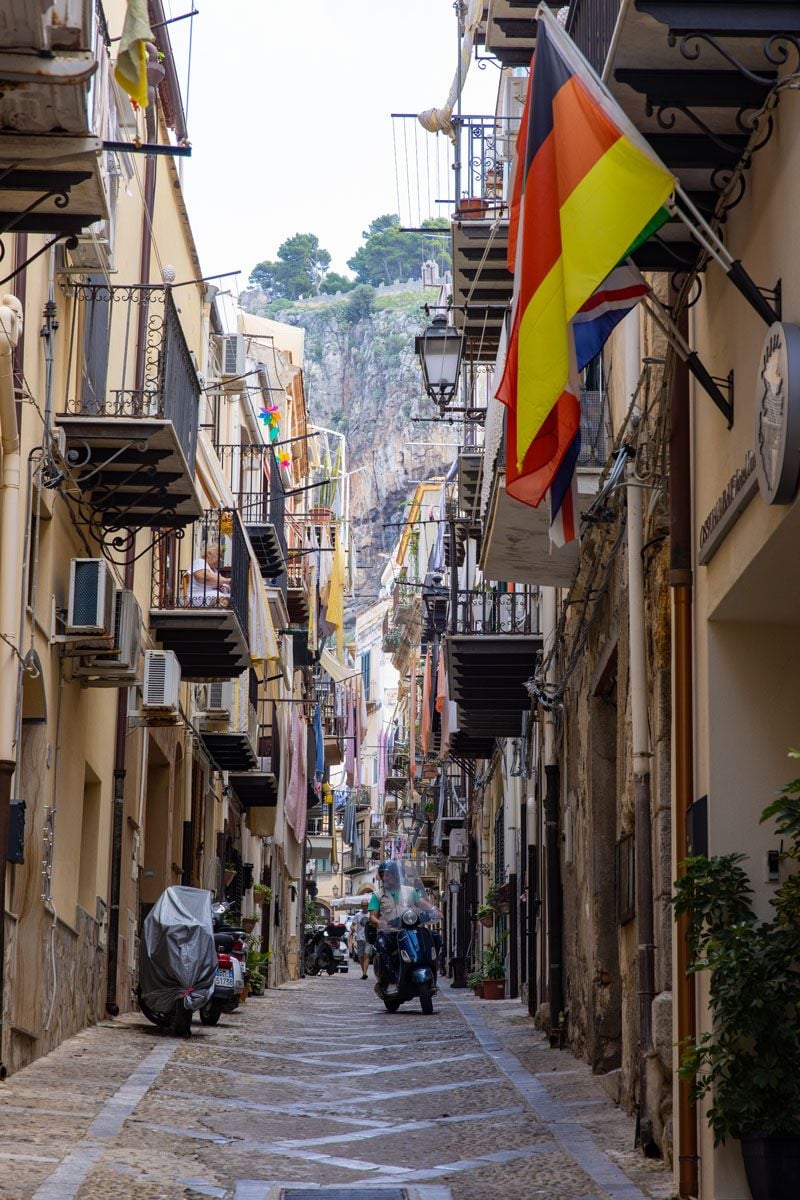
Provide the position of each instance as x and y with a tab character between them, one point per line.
388	254
298	270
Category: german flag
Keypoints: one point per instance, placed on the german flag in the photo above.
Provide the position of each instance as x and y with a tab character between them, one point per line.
588	189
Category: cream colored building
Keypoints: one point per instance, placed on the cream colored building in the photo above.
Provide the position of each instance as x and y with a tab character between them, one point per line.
146	719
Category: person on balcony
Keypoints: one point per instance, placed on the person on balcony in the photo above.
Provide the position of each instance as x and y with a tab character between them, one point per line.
208	587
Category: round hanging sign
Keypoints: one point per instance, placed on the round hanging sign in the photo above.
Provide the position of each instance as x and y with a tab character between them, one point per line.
777	433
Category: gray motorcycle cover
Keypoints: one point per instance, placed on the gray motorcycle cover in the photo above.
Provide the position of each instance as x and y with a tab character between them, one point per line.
177	957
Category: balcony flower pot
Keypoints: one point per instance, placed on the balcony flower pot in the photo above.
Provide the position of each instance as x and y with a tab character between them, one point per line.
494	989
229	876
487	921
249	923
772	1164
472	208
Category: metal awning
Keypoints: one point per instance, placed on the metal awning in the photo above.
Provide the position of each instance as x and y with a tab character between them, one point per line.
50	184
691	75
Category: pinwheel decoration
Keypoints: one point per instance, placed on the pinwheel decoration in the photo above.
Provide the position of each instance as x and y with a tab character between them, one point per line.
284	458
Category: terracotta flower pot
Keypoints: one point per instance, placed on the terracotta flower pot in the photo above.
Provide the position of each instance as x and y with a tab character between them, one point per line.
249	923
471	208
487	922
479	991
494	989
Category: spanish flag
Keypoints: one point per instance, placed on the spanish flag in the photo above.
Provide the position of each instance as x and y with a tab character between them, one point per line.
589	188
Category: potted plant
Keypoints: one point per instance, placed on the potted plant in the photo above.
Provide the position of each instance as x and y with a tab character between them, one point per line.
485	914
249	923
230	873
475	981
256	961
748	1064
261	893
471	208
502	899
493	966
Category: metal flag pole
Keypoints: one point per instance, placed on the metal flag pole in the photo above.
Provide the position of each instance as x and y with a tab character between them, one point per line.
677	341
713	245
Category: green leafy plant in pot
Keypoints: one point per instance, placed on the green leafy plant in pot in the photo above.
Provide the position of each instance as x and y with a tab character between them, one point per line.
493	967
748	1064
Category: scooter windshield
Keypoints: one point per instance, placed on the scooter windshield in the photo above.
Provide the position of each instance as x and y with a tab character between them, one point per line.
402	892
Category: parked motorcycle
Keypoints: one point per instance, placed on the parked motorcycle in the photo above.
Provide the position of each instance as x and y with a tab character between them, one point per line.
224	998
177	958
319	953
407	948
230	939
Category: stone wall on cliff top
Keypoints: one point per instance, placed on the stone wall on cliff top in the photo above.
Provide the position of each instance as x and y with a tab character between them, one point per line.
362	378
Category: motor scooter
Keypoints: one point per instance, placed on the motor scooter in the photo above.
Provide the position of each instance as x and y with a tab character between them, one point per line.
224	998
231	940
319	955
177	958
406	960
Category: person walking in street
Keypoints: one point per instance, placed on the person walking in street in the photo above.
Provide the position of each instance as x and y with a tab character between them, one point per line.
362	948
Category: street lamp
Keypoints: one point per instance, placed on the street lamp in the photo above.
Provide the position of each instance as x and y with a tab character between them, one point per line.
439	349
335	890
406	819
434	598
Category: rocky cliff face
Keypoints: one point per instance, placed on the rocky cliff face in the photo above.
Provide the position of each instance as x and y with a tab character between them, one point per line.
363	379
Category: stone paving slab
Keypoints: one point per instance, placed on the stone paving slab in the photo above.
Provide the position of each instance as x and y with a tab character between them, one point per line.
316	1086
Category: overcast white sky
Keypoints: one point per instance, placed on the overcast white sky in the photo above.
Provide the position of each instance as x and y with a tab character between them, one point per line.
289	116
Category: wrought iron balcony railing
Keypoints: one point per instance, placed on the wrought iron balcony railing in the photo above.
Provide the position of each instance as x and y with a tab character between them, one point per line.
203	568
591	23
253	475
353	863
493	613
437	177
128	360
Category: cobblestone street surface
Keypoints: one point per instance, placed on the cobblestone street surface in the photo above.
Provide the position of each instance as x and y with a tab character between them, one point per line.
469	1103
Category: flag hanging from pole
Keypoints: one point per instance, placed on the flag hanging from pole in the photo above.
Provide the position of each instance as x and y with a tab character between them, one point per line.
590	188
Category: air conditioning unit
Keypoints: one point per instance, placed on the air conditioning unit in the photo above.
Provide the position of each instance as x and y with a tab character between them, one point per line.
232	354
162	681
90	609
214	701
119	666
94	249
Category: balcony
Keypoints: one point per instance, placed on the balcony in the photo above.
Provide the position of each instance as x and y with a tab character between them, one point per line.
511	31
516	542
53	58
687	73
253	475
469	182
363	798
199	596
131	427
227	719
297	591
470	477
482	283
492	642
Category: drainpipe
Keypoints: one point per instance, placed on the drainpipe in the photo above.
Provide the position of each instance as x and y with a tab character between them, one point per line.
640	737
552	846
112	1006
10	330
680	541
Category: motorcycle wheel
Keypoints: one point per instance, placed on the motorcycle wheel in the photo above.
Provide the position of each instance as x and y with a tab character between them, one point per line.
425	998
312	965
181	1021
210	1013
157	1018
329	962
392	1003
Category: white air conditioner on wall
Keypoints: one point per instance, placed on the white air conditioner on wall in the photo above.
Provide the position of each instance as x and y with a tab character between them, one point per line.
162	681
90	609
118	666
233	355
214	702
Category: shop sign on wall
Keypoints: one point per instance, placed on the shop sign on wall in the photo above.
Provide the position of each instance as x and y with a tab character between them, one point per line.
737	494
777	433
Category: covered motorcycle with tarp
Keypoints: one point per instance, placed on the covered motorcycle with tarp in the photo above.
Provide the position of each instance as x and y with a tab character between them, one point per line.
177	958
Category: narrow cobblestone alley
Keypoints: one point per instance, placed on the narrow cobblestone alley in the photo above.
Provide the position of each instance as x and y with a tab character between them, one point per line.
469	1103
